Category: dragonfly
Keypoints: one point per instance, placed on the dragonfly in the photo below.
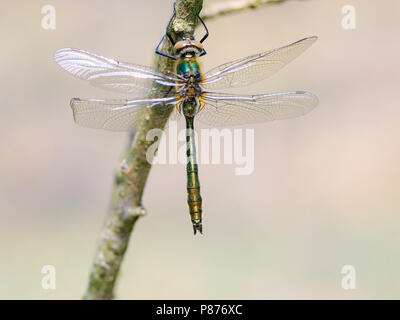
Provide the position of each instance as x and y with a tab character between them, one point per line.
189	91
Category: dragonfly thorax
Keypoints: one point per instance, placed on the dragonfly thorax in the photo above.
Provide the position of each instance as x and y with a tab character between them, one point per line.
189	68
190	93
190	98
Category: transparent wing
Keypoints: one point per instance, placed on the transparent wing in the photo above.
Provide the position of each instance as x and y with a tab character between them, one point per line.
254	68
118	115
111	74
229	110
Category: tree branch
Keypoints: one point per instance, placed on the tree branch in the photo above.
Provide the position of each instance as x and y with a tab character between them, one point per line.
214	10
126	202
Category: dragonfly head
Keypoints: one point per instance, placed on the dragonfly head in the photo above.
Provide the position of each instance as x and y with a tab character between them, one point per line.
188	46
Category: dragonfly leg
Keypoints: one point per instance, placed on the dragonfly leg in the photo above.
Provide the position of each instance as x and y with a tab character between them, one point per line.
205	27
158	51
203	53
169	26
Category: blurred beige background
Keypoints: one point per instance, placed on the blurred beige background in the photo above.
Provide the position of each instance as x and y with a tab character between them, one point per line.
325	191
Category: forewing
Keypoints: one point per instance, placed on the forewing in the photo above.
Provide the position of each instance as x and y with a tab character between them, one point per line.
229	110
254	68
109	73
119	114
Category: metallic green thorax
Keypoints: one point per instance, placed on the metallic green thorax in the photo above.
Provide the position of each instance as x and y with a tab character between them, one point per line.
183	66
193	183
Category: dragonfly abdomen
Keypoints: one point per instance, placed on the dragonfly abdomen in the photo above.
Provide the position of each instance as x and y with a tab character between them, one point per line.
193	184
194	200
